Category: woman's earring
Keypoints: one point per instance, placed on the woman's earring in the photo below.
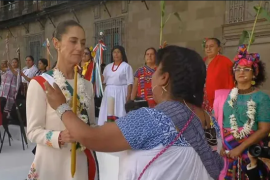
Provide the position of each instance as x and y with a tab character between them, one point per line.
253	82
164	88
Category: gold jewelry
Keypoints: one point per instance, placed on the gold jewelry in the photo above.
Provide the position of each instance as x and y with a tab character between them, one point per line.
164	87
253	82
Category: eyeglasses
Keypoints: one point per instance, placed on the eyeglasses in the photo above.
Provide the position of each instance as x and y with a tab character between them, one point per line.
242	69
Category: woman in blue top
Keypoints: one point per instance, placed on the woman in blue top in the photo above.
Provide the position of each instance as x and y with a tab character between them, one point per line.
166	142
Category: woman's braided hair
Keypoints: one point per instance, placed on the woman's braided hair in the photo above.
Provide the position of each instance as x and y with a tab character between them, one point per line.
187	73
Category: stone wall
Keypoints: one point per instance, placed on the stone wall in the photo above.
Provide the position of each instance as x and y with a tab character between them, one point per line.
200	19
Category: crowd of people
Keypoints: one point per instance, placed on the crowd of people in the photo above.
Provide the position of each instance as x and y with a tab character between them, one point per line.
203	114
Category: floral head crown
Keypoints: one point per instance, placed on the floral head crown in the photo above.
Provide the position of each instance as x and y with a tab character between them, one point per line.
204	42
244	58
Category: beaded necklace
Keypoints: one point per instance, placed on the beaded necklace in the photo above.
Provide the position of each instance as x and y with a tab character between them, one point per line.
117	66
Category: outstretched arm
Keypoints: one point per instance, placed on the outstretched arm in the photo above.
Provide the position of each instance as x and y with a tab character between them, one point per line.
106	138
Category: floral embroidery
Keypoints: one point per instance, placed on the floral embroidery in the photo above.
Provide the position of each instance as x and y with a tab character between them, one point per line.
49	138
33	175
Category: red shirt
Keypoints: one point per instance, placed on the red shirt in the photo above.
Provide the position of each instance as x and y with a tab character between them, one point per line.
219	76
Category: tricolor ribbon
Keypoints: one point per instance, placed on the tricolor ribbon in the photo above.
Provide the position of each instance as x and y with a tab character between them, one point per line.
98	49
47	45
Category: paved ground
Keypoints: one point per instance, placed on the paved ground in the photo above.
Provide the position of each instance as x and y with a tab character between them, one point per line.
14	161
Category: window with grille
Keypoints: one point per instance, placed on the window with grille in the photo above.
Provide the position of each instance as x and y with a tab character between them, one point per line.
33	46
35	50
241	11
113	30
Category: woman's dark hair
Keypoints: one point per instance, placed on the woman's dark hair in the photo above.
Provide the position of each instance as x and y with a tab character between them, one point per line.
16	59
151	48
88	49
123	53
260	78
187	73
31	57
216	40
62	28
44	61
102	67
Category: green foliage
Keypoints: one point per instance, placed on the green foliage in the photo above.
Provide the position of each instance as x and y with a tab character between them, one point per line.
162	4
162	23
245	37
263	13
176	14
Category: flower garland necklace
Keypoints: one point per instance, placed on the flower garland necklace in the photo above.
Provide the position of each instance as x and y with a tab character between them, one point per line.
84	102
251	111
61	81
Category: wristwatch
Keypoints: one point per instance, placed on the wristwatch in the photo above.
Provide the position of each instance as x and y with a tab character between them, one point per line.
62	109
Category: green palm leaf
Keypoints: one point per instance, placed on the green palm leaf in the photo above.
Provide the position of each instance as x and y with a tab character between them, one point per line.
262	12
245	37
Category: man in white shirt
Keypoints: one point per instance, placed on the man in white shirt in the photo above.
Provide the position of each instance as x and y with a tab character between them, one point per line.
28	72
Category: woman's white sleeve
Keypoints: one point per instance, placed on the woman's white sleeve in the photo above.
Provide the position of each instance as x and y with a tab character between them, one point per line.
36	105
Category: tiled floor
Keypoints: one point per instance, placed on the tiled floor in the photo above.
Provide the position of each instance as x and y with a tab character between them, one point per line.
14	161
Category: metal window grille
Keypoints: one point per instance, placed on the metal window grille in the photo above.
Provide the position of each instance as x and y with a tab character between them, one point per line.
33	45
113	30
35	50
236	11
240	11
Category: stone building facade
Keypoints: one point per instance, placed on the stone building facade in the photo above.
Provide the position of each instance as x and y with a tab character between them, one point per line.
135	25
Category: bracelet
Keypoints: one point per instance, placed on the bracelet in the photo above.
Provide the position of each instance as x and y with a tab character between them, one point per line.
62	109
